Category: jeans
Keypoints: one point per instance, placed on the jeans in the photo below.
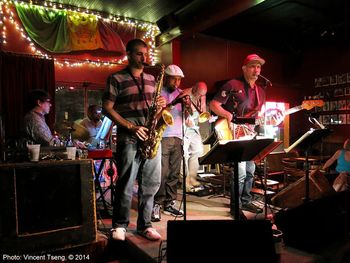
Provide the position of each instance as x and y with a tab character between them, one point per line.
193	149
171	165
245	180
148	173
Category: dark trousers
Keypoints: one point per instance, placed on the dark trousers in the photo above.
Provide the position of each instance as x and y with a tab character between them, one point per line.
171	165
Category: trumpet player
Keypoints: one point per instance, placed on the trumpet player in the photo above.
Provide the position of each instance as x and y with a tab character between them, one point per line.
126	102
193	146
171	146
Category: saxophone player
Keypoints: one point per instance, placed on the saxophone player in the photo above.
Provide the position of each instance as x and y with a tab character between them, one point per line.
126	101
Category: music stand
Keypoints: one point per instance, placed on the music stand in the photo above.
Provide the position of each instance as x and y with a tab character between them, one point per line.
260	156
234	151
305	143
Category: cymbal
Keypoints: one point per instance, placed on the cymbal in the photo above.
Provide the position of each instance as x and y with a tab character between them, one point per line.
79	131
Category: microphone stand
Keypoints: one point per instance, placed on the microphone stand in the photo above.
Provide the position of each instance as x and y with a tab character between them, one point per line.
184	170
267	83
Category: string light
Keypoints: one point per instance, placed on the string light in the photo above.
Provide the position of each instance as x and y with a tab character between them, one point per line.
149	30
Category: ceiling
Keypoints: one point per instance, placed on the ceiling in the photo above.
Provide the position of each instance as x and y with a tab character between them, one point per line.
276	24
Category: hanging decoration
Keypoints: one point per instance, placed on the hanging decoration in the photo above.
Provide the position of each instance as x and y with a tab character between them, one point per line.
69	29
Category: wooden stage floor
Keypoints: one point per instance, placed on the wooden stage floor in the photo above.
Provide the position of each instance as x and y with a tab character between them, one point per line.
202	208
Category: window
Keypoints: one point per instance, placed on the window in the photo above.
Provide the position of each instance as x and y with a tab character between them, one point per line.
72	101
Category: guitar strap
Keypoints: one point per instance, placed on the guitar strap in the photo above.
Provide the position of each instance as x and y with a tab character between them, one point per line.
257	95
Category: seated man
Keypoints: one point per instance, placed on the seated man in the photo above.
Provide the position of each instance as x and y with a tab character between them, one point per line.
35	127
92	123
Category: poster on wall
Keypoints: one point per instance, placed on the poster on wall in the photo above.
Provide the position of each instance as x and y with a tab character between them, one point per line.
342	105
342	119
342	78
333	80
347	91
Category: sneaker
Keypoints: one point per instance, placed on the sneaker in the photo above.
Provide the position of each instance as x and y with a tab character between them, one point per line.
252	208
156	213
170	209
118	233
150	233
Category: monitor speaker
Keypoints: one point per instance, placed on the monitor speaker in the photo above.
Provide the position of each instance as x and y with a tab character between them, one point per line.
294	194
220	241
317	224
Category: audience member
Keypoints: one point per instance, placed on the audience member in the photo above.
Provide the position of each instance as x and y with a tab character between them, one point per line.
342	156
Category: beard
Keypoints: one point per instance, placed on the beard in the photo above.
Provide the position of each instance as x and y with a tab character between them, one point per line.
137	64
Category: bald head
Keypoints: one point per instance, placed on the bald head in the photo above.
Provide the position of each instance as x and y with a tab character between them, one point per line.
200	89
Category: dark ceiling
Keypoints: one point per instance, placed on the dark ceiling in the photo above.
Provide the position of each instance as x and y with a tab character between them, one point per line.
275	24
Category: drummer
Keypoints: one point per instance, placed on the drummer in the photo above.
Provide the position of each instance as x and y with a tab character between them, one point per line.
92	123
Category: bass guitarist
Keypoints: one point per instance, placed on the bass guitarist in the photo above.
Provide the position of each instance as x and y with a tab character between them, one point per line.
241	97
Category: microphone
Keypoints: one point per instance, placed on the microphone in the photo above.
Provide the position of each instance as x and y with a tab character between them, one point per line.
225	93
268	82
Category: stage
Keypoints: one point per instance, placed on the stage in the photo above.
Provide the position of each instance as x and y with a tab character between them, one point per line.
138	249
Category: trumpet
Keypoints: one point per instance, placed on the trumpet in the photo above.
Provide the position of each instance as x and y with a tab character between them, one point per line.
203	116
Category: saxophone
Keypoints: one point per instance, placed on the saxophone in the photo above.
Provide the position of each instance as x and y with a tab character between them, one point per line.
156	123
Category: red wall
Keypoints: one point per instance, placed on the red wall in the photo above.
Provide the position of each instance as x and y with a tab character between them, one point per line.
212	59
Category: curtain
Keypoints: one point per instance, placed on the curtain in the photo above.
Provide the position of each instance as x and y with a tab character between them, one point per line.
20	74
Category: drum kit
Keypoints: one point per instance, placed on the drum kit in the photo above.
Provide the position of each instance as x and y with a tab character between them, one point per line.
76	130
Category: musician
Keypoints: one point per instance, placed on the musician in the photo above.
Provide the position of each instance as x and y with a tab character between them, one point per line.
126	101
171	147
193	146
92	123
241	97
35	127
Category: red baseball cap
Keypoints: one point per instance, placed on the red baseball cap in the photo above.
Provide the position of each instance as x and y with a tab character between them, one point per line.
253	58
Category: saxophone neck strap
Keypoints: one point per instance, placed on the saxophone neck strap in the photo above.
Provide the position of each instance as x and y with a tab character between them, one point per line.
141	87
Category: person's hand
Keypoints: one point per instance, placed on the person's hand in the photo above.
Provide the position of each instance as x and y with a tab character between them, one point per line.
141	132
185	92
212	118
228	116
189	122
79	144
161	102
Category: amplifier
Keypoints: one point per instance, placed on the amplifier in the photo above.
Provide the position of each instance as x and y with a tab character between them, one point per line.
46	206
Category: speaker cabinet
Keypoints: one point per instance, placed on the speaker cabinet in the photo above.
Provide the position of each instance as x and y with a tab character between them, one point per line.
220	241
46	206
318	224
292	195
